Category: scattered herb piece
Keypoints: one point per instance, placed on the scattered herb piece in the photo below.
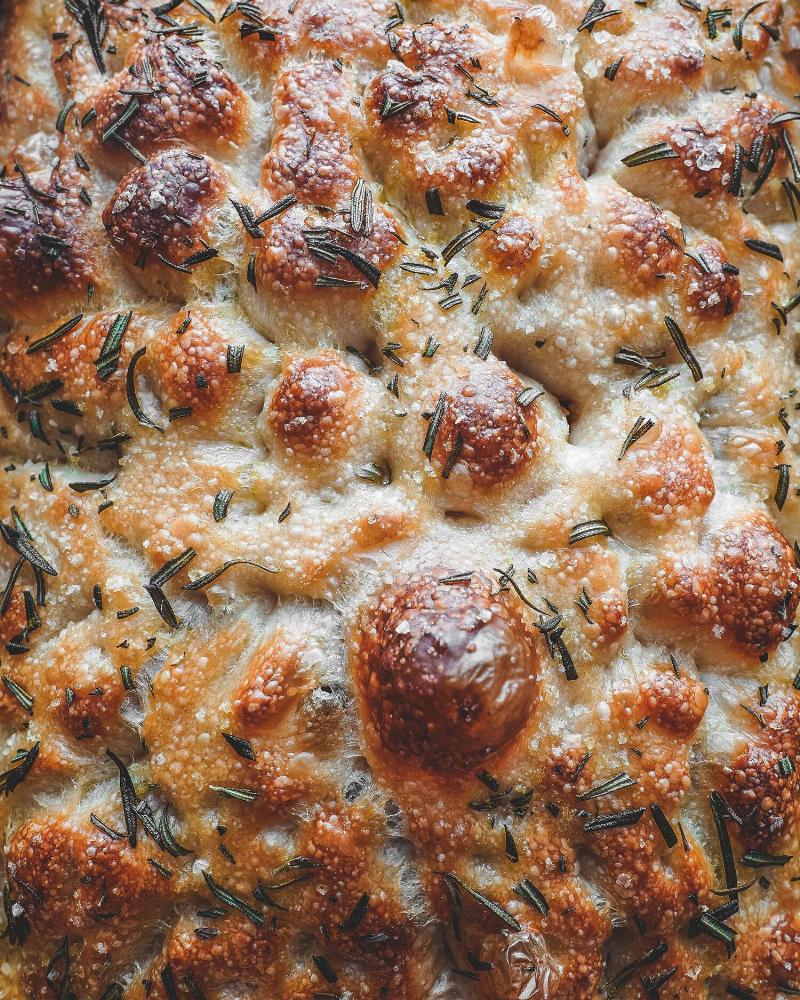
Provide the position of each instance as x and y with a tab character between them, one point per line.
235	902
208	578
614	821
128	795
528	891
641	426
660	151
242	746
588	529
683	348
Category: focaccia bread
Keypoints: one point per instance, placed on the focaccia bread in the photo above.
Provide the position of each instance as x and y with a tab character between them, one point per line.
399	499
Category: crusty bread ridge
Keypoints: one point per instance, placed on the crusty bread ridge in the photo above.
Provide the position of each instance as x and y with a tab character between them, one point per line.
399	499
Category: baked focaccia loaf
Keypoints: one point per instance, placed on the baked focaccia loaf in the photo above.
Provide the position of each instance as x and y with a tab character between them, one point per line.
400	485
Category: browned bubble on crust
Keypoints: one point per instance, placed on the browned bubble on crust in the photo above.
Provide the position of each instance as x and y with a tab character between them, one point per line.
176	93
188	359
239	949
270	682
749	589
72	358
768	956
660	891
446	671
485	429
159	208
711	289
674	703
647	242
286	263
766	798
512	248
44	254
311	156
667	474
410	110
273	30
706	148
66	873
313	407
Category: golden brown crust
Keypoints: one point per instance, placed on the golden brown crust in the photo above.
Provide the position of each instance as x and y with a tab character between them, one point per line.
399	500
748	589
484	430
760	788
445	670
310	411
179	95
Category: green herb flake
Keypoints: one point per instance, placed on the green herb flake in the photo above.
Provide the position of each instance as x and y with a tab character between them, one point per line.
433	201
641	427
22	763
614	821
108	359
128	796
588	529
760	859
241	746
664	825
782	489
660	151
615	784
57	334
234	358
766	249
433	425
130	388
458	885
221	501
527	891
357	914
235	902
18	692
209	578
239	794
679	340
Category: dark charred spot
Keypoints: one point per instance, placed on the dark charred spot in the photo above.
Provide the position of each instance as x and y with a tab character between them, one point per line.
43	252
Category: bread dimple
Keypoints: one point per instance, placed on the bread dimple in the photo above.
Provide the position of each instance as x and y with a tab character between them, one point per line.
398	500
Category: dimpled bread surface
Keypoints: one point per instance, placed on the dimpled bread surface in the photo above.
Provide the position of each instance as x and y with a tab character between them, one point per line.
399	500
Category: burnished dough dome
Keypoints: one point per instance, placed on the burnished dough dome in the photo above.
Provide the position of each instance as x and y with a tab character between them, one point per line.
485	431
447	670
